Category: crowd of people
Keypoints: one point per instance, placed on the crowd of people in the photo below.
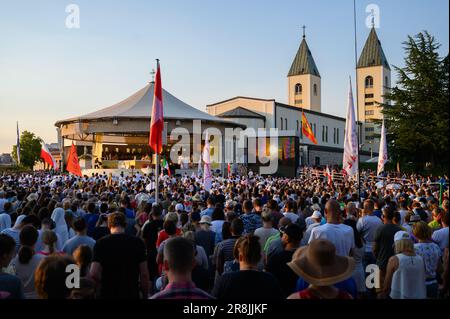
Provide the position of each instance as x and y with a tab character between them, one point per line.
248	238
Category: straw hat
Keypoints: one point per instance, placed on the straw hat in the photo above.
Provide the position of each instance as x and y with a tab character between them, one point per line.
319	265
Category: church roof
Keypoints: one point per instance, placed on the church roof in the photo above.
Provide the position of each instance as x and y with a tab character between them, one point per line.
139	106
372	54
303	62
240	112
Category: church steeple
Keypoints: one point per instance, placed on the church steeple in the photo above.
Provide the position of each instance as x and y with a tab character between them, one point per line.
303	62
373	54
304	82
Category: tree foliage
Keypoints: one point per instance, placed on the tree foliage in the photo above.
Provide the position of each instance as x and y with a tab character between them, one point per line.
30	149
416	113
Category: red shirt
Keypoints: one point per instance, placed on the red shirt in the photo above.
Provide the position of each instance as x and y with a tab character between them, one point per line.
162	236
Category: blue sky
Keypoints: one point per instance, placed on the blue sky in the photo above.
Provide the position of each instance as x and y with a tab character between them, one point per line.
209	51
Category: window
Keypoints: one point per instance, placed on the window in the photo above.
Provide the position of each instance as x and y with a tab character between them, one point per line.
369	96
317	161
370	129
386	81
315	129
298	101
297	125
323	133
337	136
315	89
281	121
298	89
334	135
326	134
369	82
285	126
369	112
370	138
370	103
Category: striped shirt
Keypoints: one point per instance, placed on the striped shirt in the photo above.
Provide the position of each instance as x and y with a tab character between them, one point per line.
185	290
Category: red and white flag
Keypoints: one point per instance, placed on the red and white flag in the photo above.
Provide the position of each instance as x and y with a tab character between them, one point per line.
207	178
157	121
328	176
383	154
47	156
350	159
229	169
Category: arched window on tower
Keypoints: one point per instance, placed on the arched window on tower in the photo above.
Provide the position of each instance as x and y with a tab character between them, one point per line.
369	82
298	89
315	89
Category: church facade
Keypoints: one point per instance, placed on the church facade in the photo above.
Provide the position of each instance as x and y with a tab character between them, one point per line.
304	94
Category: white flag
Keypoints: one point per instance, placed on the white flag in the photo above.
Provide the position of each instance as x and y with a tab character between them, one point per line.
207	178
350	160
383	155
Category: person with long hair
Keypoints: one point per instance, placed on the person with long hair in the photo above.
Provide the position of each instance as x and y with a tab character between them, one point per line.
49	243
50	277
10	286
358	252
405	272
26	261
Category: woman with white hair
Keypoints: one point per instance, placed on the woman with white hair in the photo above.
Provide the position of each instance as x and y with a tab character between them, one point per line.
61	228
405	273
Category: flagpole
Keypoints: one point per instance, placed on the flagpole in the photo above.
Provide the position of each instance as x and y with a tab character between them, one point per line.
156	177
357	98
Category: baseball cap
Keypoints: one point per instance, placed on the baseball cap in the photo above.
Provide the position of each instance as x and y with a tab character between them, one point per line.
400	235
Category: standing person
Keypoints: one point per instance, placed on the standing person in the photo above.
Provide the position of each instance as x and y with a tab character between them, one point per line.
149	234
120	263
367	225
320	265
431	254
290	211
251	220
224	251
440	236
10	286
101	227
267	230
339	234
80	237
49	244
248	283
277	264
91	218
50	277
359	274
217	220
14	232
405	274
209	209
26	261
179	256
315	221
5	221
205	237
384	243
61	228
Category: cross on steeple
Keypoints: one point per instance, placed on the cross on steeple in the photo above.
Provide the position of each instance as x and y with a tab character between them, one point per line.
304	32
373	18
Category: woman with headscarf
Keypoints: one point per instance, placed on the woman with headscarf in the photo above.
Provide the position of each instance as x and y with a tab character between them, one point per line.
14	231
61	228
5	222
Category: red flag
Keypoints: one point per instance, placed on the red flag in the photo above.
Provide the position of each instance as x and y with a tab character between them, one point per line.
307	130
229	169
328	175
157	121
73	166
47	156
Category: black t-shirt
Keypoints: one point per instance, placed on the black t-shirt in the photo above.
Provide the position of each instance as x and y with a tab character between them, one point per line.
150	233
384	238
100	232
248	285
277	266
119	256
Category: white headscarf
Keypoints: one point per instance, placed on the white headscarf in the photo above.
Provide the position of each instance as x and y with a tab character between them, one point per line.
61	226
19	220
5	222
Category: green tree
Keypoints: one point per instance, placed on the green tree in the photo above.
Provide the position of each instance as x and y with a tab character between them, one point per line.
30	149
416	113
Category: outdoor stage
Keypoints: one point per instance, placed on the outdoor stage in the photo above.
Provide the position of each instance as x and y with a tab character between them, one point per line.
131	172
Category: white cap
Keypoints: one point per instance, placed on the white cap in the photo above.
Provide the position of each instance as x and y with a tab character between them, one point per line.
316	215
179	207
400	235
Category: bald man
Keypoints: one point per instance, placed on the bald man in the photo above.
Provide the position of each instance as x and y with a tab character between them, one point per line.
340	235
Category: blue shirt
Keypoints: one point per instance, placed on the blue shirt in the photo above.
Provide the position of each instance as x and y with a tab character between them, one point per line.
209	211
91	220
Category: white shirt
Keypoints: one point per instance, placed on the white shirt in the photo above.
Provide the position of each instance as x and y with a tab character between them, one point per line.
292	216
367	226
342	236
440	237
408	281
